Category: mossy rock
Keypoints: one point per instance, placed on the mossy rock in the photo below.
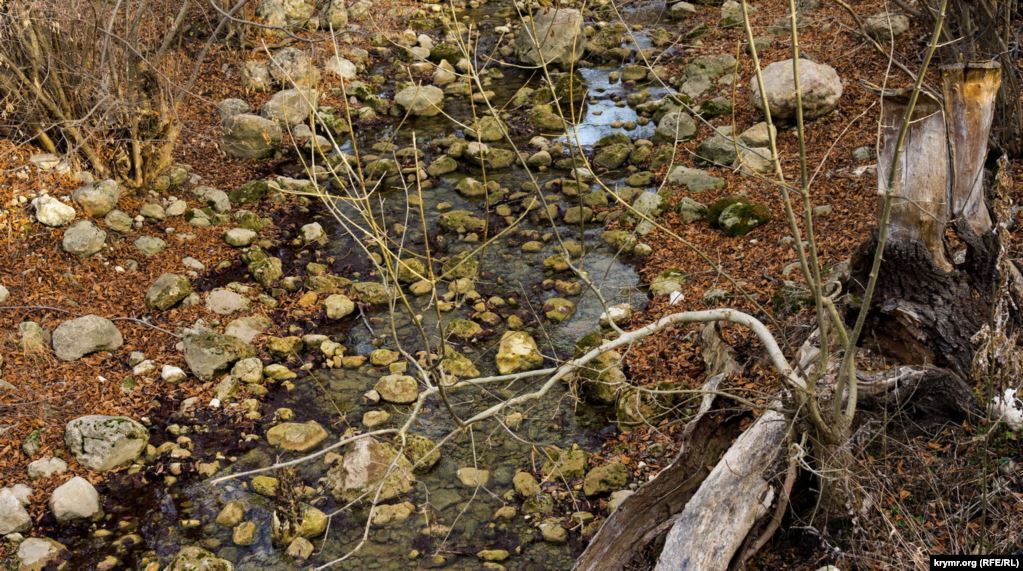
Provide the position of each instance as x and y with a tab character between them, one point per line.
567	464
717	207
249	193
461	265
420	450
742	217
611	157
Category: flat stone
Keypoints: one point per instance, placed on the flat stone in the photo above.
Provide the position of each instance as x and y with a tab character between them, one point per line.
296	436
78	337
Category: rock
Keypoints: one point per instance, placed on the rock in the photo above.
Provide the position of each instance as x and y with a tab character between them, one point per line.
75	499
604	479
422	451
618	314
731	14
44	468
195	558
249	136
564	464
517	352
209	353
461	221
755	160
667	282
256	76
292	67
35	339
172	374
338	306
232	514
249	192
263	268
488	129
41	553
52	212
444	74
150	246
885	26
225	302
610	157
525	484
244	533
78	337
167	291
471	188
691	210
83	239
681	11
558	309
553	36
312	522
153	211
13	516
248	328
375	418
239	237
617	498
366	465
248	370
313	233
230	107
736	216
291	107
300	548
718	150
388	514
819	83
216	199
442	166
118	221
553	532
341	67
695	180
493	554
421	100
97	199
758	135
397	389
473	477
4	294
102	443
285	13
334	14
675	126
296	436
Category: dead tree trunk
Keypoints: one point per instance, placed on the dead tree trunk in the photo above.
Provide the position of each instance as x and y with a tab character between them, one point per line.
926	308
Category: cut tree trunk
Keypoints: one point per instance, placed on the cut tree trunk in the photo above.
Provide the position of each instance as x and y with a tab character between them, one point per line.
925	311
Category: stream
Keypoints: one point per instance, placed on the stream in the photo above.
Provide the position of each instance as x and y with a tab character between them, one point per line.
152	516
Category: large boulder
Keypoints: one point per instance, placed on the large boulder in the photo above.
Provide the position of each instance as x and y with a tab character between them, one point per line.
78	337
102	443
209	353
517	352
422	100
83	239
819	83
167	291
366	465
97	199
75	499
554	36
248	136
291	106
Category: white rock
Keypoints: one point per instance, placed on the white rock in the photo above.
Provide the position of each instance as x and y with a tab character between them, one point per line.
1008	408
40	553
52	212
341	67
172	374
75	499
46	467
13	516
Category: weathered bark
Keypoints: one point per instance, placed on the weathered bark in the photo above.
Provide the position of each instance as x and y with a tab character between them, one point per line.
970	92
927	394
920	209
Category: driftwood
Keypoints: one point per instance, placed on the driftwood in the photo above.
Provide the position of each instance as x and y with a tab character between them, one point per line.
927	394
736	494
